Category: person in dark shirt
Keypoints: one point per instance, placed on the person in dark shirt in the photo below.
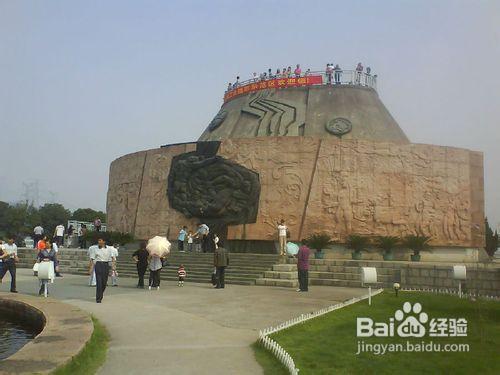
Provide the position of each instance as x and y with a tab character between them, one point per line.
141	260
303	268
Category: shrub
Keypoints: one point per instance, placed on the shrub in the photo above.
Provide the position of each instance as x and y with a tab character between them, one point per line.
416	243
318	241
110	237
357	243
387	243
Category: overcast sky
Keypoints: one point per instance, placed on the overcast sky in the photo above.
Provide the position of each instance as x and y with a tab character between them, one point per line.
84	82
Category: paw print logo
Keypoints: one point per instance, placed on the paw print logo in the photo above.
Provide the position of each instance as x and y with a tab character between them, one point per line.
411	326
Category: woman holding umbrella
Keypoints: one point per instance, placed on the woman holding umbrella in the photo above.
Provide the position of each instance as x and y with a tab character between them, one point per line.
158	248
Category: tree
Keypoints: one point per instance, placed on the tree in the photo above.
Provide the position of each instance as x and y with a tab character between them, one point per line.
491	243
17	220
53	214
88	214
4	207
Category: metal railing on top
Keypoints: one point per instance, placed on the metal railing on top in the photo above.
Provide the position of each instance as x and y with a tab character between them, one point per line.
340	77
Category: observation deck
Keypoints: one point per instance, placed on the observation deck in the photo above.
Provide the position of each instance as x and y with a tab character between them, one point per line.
315	78
343	104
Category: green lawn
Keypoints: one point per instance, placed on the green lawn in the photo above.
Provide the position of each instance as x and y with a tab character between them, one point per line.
91	357
328	344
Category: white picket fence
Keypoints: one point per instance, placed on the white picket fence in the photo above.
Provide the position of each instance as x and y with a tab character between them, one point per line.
451	292
281	354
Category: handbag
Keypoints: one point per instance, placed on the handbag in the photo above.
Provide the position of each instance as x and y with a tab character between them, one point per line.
35	267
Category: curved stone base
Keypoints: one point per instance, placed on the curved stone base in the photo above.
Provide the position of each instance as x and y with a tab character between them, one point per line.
337	186
66	331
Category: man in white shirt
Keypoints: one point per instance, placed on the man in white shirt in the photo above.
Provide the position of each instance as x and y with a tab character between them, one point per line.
282	233
101	256
9	258
37	235
59	234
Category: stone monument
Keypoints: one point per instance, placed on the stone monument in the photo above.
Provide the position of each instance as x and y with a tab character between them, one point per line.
326	158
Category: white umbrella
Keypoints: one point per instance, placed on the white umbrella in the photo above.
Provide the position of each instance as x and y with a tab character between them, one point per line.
159	246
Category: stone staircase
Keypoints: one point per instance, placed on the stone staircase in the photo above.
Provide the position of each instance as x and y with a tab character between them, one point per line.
346	273
243	269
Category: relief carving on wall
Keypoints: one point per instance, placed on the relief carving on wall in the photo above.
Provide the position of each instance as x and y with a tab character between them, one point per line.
276	117
213	188
380	189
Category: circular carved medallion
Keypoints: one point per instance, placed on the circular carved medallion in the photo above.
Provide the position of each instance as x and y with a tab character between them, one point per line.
338	126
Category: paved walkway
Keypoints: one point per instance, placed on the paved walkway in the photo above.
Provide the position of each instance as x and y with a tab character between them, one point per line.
191	330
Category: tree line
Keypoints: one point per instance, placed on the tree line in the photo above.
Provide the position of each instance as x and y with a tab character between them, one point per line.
19	219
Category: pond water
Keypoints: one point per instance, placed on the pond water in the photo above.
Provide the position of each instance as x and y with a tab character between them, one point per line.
13	336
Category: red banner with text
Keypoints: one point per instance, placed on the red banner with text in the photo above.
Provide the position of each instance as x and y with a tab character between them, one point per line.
277	83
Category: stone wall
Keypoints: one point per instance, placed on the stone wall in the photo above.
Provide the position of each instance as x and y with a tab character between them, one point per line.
306	111
339	186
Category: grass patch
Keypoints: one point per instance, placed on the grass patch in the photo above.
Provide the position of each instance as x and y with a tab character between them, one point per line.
91	357
329	344
268	361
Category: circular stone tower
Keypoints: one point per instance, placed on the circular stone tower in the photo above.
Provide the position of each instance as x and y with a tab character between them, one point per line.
325	157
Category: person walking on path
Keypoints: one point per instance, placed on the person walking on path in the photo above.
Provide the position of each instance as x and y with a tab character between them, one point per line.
221	261
155	265
9	258
181	238
112	264
303	268
101	257
49	254
282	233
181	272
59	234
141	260
37	235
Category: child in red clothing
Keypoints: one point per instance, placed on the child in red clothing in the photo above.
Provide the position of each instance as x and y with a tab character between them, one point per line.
181	272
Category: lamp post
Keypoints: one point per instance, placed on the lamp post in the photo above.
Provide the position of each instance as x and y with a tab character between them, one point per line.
396	287
459	273
368	276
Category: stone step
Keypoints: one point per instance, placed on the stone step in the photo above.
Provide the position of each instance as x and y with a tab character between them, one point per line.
277	282
280	275
285	267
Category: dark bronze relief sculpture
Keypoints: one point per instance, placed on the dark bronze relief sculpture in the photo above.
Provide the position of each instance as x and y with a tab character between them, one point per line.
204	185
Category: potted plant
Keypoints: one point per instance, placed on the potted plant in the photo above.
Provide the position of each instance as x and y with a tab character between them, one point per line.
357	244
416	244
318	241
387	244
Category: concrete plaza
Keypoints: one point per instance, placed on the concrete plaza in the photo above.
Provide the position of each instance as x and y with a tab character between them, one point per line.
190	330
